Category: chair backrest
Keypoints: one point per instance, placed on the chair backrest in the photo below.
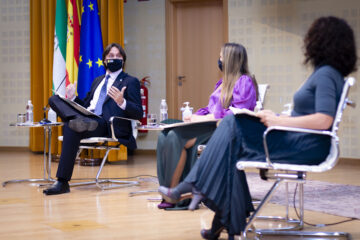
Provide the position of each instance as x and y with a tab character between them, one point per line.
334	153
262	92
344	101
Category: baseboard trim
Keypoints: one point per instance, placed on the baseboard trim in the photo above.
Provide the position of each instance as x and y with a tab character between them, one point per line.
145	152
12	149
349	159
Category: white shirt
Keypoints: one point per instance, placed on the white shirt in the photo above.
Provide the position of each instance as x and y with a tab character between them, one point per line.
111	80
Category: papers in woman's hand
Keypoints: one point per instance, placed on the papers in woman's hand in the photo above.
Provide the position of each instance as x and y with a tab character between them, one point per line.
243	111
174	125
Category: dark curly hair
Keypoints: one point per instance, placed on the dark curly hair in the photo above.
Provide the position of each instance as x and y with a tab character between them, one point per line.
330	40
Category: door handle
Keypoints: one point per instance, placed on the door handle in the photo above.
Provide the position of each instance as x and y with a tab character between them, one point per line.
180	80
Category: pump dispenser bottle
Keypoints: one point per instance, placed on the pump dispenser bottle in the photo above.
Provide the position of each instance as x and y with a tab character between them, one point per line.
186	111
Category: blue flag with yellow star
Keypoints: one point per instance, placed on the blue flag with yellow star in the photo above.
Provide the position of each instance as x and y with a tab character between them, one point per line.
91	47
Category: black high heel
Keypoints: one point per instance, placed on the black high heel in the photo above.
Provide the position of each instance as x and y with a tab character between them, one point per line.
207	234
215	231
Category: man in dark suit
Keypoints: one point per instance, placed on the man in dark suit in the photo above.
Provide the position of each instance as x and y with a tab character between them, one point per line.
114	94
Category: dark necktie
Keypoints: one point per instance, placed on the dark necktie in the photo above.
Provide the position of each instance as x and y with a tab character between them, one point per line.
102	96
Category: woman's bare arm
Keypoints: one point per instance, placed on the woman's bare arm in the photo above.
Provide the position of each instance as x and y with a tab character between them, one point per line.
319	121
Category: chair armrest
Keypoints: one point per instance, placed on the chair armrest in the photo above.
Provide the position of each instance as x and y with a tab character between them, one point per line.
134	123
290	129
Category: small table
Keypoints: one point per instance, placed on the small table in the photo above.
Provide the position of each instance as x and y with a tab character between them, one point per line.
47	159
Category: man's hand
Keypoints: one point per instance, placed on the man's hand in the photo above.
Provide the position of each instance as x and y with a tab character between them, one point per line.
70	91
117	95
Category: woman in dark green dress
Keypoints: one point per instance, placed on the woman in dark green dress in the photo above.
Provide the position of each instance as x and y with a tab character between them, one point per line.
177	148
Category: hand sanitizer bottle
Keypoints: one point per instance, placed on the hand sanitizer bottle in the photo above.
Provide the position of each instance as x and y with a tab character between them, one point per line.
186	111
287	110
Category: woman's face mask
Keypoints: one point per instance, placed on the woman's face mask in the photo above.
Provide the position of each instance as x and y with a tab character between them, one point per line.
220	65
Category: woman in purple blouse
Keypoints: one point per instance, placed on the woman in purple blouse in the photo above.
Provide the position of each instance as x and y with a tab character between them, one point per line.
176	148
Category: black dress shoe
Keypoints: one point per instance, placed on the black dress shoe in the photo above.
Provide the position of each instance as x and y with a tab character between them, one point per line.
82	124
57	188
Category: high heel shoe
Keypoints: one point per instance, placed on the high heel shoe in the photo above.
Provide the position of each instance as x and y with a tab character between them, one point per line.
164	205
172	196
168	195
214	232
207	234
196	199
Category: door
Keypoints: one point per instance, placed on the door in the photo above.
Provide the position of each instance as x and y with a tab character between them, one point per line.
196	31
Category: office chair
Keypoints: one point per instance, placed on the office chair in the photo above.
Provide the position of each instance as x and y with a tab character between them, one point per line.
288	172
108	144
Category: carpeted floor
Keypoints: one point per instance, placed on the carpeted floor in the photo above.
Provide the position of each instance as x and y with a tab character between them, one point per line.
330	198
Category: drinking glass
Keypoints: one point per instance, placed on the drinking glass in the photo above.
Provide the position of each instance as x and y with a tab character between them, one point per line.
151	119
21	118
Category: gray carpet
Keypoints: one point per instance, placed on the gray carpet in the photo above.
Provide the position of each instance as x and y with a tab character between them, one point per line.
330	198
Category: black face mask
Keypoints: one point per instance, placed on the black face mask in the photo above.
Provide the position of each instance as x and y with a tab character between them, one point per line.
220	65
114	64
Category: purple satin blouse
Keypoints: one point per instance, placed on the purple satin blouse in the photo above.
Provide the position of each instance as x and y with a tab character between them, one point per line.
244	96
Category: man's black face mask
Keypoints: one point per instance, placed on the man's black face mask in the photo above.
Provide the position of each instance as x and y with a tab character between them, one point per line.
114	64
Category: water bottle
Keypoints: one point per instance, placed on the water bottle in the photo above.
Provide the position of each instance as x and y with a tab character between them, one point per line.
163	110
29	112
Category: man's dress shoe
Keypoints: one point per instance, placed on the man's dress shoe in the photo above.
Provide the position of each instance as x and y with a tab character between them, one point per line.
57	188
82	124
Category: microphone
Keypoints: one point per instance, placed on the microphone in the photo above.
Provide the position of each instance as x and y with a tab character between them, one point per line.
62	81
45	120
46	108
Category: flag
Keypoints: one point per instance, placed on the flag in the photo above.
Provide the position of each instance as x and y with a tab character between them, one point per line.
91	47
59	67
72	43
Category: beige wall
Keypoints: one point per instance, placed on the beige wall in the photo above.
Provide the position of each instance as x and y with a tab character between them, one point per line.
272	31
145	47
14	69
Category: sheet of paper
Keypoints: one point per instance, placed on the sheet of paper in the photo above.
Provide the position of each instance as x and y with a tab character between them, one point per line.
173	125
243	111
77	106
